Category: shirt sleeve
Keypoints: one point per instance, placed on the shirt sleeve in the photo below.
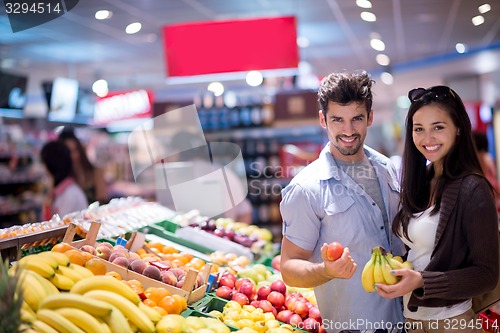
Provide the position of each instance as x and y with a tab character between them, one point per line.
301	224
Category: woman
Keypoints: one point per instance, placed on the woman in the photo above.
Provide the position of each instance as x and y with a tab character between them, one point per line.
67	196
447	218
90	178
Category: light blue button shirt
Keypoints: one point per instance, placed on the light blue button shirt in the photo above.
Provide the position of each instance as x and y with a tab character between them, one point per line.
321	205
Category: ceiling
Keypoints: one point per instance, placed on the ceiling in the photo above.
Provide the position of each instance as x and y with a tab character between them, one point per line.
419	35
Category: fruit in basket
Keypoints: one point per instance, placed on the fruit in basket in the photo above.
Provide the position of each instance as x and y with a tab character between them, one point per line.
310	325
96	266
121	261
334	251
224	292
62	247
103	252
76	257
107	283
115	255
168	277
277	299
240	298
263	292
89	248
279	286
247	288
228	280
152	272
138	266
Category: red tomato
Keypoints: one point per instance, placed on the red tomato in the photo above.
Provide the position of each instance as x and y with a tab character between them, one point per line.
334	251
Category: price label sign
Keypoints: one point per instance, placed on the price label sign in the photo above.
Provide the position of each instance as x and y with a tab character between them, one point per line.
26	14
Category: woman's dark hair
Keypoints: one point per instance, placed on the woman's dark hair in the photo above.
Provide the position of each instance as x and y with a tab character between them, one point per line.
69	134
481	141
344	88
57	159
460	161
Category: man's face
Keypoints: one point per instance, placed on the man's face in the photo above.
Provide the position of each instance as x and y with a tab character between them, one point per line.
346	126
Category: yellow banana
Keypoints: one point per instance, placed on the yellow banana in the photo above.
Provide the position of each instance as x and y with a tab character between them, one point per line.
65	300
28	316
394	263
40	267
70	273
33	291
378	277
108	283
117	321
81	270
62	282
367	274
82	319
36	257
152	314
57	321
42	327
386	271
104	327
129	309
408	265
28	308
46	284
398	258
61	258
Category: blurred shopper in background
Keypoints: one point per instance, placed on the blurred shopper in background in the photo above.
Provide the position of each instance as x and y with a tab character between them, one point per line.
89	177
66	195
447	219
350	195
485	159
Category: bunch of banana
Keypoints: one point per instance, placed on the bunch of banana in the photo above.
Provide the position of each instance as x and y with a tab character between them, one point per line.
378	269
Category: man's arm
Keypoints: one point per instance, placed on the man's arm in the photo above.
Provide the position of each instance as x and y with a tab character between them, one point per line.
298	271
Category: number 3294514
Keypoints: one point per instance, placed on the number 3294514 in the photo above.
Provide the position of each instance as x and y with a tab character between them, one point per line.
32	8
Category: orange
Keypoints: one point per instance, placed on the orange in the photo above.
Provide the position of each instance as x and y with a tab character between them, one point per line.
158	294
136	283
62	247
115	275
149	303
96	266
87	255
171	305
76	257
161	311
186	257
182	301
169	250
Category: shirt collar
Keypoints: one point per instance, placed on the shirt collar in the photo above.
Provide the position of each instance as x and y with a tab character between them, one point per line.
63	186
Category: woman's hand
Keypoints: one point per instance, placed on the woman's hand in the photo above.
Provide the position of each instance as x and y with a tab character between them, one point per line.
410	280
342	268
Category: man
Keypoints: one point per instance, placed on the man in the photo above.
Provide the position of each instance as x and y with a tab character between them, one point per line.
349	195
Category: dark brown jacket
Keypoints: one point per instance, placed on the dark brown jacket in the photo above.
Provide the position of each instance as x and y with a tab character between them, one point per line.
464	262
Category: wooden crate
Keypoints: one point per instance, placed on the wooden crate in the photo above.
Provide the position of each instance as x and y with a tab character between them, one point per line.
187	291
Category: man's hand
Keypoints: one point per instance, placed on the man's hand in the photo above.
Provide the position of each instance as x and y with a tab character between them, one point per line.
342	268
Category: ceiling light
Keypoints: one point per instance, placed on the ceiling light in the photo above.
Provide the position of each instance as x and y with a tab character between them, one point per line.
364	3
461	48
383	60
368	16
377	44
387	78
100	88
254	78
484	8
302	41
103	14
133	28
477	20
216	87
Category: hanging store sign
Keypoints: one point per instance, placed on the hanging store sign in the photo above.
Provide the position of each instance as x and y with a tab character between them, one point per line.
231	46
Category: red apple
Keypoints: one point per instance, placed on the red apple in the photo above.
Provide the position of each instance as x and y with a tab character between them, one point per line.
300	308
284	316
315	314
278	286
103	252
334	251
263	292
229	276
276	262
240	298
277	299
224	292
247	288
295	320
265	305
239	281
226	281
321	329
310	325
255	304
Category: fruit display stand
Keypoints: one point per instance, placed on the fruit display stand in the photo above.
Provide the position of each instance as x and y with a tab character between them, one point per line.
187	291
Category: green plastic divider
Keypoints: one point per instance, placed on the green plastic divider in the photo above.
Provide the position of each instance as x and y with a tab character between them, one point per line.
168	225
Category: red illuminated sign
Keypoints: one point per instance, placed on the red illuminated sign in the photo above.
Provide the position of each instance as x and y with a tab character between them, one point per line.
231	46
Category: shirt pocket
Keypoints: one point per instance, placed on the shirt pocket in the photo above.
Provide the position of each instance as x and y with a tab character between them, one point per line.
339	206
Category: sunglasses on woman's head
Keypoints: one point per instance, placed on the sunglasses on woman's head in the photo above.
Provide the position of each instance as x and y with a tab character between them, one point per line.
437	92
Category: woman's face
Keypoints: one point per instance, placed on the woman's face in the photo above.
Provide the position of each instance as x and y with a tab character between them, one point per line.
73	149
434	132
